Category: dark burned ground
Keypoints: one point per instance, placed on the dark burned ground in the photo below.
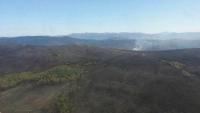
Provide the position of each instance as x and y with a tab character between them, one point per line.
83	79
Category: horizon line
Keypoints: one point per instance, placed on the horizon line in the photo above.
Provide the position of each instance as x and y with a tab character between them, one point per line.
61	35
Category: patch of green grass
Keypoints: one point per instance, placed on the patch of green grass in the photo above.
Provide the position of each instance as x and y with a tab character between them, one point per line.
52	76
63	104
9	81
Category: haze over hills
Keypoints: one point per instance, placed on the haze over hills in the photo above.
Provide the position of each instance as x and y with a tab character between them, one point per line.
129	41
66	40
85	79
100	73
129	35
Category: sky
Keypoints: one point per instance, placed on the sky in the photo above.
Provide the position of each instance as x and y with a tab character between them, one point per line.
62	17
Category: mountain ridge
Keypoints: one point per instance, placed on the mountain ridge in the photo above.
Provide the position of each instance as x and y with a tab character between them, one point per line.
129	41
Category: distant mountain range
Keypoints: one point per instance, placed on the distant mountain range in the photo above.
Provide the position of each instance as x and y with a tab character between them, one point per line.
126	35
129	41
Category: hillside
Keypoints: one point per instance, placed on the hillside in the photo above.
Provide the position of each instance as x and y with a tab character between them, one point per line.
67	40
86	79
128	41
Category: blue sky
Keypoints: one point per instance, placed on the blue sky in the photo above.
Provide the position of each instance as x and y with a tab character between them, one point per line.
61	17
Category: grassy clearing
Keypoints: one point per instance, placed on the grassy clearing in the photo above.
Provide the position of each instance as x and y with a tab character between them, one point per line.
52	76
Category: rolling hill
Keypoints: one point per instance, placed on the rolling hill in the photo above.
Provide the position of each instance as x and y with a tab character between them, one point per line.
86	79
128	41
66	40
